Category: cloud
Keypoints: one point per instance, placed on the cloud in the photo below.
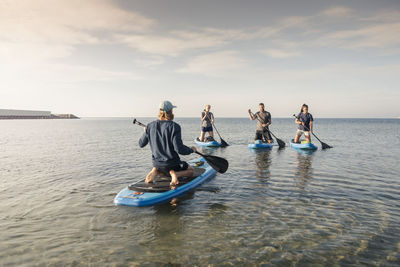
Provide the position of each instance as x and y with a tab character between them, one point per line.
337	11
279	53
17	76
34	35
214	64
174	43
372	36
63	24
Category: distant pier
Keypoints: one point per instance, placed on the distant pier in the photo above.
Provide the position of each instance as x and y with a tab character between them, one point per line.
15	114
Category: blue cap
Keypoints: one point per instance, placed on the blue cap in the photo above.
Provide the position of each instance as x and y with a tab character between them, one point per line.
166	106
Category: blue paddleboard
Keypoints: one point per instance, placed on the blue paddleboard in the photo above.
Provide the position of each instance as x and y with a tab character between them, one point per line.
304	146
141	194
260	145
207	144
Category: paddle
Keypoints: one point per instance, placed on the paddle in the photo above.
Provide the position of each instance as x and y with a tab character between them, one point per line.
223	143
279	141
138	123
217	163
324	145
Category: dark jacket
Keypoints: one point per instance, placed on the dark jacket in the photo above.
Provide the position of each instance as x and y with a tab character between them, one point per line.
165	142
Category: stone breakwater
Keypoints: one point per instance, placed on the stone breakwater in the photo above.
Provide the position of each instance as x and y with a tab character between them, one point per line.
11	114
52	116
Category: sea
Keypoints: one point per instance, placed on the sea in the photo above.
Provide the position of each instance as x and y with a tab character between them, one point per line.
333	207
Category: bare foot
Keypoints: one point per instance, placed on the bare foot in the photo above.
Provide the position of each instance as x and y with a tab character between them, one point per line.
174	178
151	176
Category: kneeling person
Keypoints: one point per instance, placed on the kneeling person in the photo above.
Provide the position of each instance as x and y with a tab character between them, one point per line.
166	144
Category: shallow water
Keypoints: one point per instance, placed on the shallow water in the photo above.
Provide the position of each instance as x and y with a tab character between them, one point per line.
334	207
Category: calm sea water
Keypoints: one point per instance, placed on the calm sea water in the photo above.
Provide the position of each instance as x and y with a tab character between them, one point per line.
340	206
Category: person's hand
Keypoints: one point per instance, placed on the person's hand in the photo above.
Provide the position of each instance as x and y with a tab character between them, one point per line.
264	125
194	149
144	129
249	111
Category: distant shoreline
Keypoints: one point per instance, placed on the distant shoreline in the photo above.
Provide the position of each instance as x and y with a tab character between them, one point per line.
15	114
51	117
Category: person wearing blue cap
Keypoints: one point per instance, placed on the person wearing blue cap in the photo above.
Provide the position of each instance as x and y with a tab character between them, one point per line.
165	138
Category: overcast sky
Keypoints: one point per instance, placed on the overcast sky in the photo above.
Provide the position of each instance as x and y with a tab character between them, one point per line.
121	58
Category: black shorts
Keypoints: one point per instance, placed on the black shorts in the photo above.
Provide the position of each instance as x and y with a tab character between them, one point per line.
260	135
207	129
180	167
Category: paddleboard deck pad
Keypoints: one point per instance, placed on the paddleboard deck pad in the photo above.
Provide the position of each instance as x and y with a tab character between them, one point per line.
162	183
141	194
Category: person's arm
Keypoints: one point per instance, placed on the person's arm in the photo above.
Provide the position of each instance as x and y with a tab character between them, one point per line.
298	120
205	115
144	140
251	115
268	120
311	123
212	118
178	144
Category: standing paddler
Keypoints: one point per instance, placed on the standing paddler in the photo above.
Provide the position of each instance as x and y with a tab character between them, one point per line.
263	118
166	144
207	120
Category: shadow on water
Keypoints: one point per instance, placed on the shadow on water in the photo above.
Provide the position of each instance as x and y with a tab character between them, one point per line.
304	171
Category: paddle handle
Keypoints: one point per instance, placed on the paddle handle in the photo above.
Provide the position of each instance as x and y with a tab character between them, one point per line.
138	123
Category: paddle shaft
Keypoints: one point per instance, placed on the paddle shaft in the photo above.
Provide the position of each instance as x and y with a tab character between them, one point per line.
138	123
222	140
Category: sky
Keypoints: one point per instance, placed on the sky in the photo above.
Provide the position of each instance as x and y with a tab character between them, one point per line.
104	58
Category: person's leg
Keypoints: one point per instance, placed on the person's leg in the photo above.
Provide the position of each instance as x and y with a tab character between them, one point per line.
151	175
308	136
202	136
298	135
176	174
268	137
258	136
211	133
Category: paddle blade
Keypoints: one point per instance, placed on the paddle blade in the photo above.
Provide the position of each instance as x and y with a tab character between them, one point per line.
223	143
217	163
280	143
325	146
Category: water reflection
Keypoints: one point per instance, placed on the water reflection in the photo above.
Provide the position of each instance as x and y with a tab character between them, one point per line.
304	171
168	225
263	162
207	150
